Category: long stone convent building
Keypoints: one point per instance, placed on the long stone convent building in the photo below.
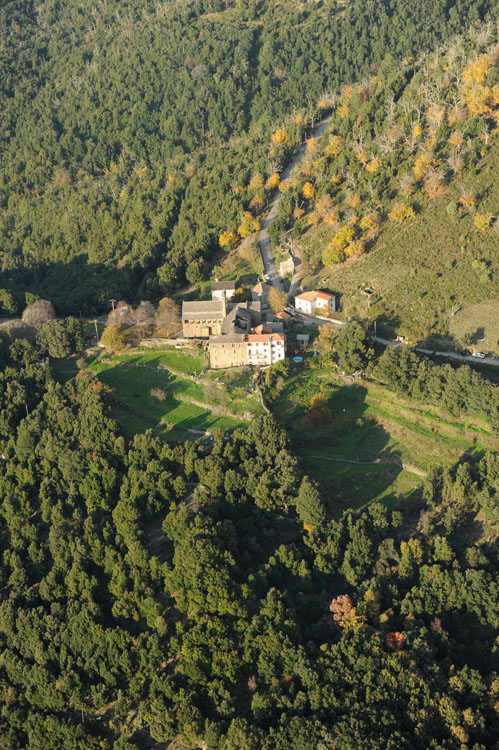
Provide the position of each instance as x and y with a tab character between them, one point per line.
235	332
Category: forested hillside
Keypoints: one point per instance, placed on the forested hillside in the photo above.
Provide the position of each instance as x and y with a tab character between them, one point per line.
128	129
400	197
151	592
220	594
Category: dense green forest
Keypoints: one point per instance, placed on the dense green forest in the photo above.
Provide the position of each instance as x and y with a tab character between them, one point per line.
129	129
211	593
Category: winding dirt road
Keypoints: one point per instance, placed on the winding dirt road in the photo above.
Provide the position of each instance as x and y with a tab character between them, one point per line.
263	238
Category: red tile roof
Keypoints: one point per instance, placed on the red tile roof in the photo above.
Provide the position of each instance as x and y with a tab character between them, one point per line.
324	295
266	337
262	329
311	296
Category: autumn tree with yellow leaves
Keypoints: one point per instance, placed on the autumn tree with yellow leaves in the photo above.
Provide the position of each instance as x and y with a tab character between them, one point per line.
227	240
401	212
280	137
248	225
308	190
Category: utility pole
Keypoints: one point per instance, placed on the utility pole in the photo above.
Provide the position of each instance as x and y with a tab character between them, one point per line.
374	329
96	331
112	301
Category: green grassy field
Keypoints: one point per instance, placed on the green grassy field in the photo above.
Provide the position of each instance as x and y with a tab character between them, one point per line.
185	361
188	399
481	322
243	264
376	446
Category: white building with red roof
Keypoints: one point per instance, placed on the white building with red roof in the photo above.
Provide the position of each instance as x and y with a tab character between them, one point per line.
265	348
314	301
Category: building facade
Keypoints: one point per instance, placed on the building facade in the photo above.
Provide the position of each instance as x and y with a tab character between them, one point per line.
264	349
219	289
228	351
258	349
203	319
315	301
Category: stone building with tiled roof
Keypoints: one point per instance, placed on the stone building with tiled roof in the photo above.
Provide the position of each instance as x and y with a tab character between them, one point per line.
235	332
202	319
260	292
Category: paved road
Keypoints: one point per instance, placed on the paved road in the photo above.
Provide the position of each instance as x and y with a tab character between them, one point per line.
271	271
494	361
264	240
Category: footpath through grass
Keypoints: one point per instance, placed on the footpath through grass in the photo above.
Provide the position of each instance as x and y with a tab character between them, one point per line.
167	391
377	446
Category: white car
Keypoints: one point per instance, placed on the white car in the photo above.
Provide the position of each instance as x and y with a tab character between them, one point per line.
480	355
266	276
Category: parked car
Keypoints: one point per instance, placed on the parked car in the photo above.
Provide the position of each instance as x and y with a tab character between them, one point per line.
266	276
290	311
480	355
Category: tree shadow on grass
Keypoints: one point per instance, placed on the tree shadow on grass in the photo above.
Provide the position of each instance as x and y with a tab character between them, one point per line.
350	455
387	325
478	336
132	396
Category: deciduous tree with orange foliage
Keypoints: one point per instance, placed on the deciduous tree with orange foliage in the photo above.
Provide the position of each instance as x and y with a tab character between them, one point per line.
394	640
344	614
273	181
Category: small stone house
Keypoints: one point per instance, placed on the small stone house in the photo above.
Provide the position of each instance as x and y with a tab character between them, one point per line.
229	350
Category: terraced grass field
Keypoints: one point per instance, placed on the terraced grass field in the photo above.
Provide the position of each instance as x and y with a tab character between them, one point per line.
376	446
168	391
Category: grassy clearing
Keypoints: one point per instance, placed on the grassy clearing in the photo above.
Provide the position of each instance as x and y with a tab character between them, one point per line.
234	389
243	264
356	486
191	401
481	322
371	424
186	361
